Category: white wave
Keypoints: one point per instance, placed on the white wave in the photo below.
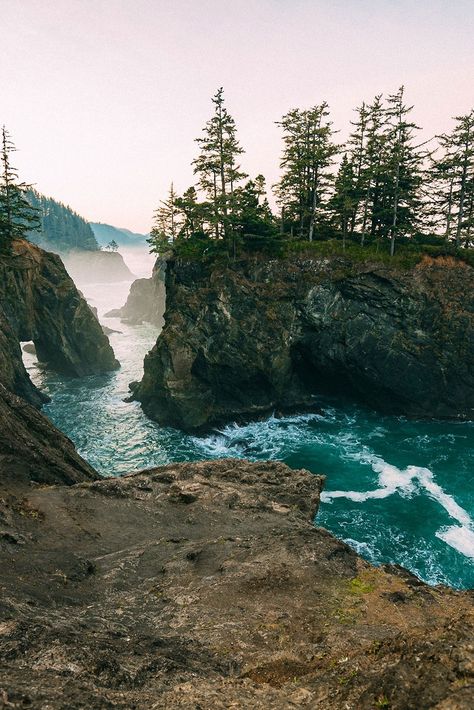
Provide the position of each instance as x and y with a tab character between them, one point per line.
461	538
393	480
362	548
426	479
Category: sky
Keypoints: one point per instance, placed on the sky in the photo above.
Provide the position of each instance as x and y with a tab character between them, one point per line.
104	98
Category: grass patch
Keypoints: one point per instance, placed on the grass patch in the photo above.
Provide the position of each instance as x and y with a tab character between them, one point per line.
358	586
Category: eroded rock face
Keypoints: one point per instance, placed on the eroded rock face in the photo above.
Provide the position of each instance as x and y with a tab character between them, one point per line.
41	303
206	585
38	301
13	375
146	300
32	449
244	340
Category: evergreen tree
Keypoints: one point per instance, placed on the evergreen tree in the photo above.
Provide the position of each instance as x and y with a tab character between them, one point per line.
165	224
253	218
61	228
344	199
218	169
372	169
17	216
357	157
307	157
454	180
195	215
403	171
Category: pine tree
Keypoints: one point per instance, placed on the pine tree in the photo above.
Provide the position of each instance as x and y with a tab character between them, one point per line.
357	157
454	176
17	216
403	171
344	199
307	157
253	219
371	174
218	169
195	215
165	224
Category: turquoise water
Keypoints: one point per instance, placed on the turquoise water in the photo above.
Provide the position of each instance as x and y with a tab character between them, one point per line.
396	490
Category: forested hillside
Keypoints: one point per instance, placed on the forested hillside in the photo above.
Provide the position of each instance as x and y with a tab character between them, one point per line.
61	227
106	233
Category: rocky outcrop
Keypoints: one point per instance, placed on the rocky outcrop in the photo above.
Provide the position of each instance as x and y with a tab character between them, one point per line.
206	585
13	375
245	339
146	300
32	449
96	266
41	303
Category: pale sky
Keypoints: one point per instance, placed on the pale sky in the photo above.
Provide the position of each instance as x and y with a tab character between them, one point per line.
104	98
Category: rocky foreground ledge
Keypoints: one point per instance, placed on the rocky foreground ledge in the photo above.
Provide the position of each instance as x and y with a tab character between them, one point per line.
206	585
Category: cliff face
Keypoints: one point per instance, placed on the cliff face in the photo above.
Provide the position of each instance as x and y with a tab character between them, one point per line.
41	303
146	300
96	266
32	449
244	340
13	375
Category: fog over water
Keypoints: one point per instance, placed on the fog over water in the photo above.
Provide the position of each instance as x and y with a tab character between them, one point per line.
398	491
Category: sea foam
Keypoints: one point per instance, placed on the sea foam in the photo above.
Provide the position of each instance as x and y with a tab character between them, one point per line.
404	482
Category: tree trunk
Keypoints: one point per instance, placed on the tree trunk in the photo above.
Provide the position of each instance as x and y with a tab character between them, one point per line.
463	191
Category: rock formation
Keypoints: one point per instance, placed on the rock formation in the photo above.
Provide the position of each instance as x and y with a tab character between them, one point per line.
13	375
96	266
41	303
245	339
206	585
146	300
32	449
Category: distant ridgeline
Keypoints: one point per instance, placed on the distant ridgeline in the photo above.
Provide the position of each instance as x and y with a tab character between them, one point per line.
105	233
61	228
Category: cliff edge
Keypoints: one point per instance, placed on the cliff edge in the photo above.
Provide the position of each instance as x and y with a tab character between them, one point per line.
243	340
206	585
39	302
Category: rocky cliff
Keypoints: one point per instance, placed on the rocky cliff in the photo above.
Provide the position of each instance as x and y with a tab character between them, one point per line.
32	449
146	300
96	266
243	340
206	585
41	303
